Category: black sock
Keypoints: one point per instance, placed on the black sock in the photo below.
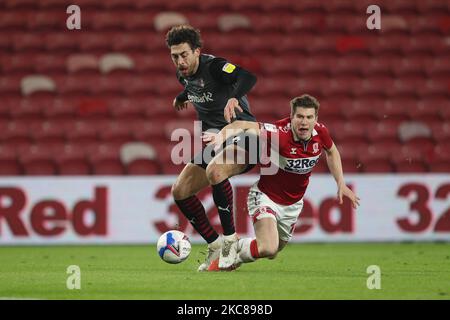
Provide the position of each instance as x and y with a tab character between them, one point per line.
194	211
223	198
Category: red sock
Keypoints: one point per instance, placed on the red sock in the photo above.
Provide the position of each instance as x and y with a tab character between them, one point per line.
254	249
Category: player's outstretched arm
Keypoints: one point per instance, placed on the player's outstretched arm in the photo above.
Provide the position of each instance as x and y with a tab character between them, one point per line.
335	165
230	130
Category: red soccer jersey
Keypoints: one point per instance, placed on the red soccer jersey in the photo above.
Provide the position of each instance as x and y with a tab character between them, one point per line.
296	160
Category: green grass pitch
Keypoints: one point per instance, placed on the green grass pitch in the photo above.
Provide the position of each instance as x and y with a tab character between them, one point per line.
301	271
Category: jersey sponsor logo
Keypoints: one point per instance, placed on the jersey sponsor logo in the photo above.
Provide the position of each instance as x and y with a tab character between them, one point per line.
228	68
205	97
270	127
298	165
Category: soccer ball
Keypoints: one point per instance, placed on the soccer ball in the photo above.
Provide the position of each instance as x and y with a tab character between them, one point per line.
173	246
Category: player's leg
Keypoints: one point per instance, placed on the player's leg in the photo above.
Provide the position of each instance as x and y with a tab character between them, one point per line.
191	180
281	245
265	245
218	171
263	212
287	220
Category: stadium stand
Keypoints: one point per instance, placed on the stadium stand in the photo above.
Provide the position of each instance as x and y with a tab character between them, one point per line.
384	94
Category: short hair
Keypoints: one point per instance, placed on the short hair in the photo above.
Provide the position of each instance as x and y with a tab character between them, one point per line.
184	33
305	101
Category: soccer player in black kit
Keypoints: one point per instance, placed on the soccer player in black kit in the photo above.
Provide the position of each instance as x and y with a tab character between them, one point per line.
216	88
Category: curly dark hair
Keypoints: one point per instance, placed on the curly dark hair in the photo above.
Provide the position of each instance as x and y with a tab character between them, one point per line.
184	33
305	101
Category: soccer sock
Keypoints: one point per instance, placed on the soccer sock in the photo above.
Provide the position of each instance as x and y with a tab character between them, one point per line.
194	211
246	248
223	198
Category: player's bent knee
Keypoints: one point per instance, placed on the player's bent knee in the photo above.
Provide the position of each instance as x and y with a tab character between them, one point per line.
180	192
267	251
214	174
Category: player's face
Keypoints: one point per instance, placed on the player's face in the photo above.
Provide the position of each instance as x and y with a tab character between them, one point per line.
303	122
185	59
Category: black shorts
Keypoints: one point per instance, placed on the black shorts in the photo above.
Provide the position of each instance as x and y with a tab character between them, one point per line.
246	141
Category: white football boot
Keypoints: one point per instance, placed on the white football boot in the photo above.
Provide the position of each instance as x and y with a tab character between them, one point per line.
213	254
228	254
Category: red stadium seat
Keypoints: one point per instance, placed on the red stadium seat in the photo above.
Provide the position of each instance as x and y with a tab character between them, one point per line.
82	131
381	65
126	109
66	41
353	64
395	109
17	133
381	130
440	130
431	6
351	166
439	166
114	5
74	168
309	22
263	22
143	167
377	166
379	151
73	161
49	132
10	85
410	166
38	161
375	86
60	108
152	64
9	166
26	42
407	85
116	132
92	41
14	20
442	151
19	63
27	109
171	169
106	160
140	20
410	65
47	20
410	155
107	21
246	6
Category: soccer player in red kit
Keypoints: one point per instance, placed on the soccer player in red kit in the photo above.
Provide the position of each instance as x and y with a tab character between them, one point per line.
276	200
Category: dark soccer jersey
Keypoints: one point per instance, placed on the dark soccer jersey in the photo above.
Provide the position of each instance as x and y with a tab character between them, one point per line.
210	88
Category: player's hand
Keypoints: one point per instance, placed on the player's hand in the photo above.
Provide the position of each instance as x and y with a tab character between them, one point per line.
229	111
180	105
211	138
344	191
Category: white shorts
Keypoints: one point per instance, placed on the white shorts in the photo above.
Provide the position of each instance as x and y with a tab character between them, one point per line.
261	206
